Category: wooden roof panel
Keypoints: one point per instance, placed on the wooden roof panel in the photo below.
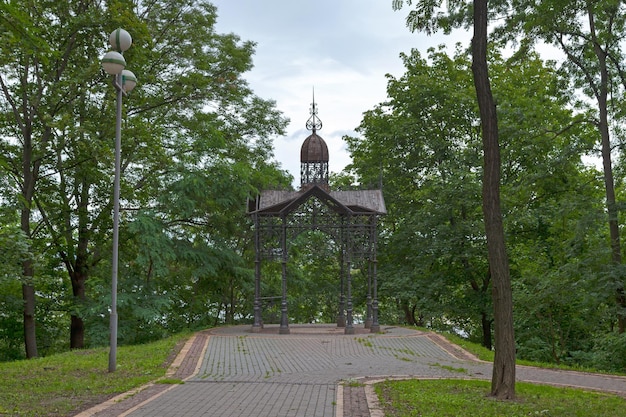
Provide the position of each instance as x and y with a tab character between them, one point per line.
371	200
357	201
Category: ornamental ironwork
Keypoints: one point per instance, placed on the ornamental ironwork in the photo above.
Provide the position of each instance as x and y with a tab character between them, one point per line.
349	218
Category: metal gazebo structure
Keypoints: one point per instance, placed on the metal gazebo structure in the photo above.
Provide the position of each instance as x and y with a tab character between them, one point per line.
349	218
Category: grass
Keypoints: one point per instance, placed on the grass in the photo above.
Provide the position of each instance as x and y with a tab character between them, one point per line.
59	385
457	398
485	354
476	349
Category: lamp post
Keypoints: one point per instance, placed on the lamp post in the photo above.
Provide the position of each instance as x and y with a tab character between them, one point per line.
124	81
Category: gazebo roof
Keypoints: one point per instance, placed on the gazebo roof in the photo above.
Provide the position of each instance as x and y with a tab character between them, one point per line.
276	202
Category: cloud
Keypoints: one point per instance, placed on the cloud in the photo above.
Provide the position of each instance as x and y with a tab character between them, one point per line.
342	48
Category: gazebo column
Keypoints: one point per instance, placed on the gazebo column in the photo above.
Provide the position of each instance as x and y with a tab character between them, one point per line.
257	325
368	318
349	320
375	326
341	317
284	320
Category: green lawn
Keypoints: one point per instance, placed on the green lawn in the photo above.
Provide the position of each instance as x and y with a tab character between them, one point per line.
458	398
61	384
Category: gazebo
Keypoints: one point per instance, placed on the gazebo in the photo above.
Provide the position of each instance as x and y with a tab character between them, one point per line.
349	218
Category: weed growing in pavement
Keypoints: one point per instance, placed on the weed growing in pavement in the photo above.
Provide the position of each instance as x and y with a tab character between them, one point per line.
449	368
407	351
364	342
241	344
353	383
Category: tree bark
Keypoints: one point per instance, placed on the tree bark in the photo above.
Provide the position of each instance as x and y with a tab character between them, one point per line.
29	176
503	377
77	326
486	324
28	295
409	313
484	316
79	270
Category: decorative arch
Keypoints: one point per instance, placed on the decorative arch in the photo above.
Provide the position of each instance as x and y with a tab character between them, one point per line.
350	217
279	216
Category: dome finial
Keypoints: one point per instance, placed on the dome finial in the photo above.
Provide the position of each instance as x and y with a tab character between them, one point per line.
314	123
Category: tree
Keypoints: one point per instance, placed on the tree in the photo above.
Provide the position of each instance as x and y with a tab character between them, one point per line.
552	206
193	123
14	249
425	19
424	142
589	34
21	45
503	377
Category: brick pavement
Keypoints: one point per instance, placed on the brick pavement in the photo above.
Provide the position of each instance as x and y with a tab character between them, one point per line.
314	371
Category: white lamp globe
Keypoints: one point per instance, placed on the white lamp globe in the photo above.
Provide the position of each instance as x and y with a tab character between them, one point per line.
129	81
113	62
120	40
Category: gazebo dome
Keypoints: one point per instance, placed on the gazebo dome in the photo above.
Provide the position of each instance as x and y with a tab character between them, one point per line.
314	155
314	149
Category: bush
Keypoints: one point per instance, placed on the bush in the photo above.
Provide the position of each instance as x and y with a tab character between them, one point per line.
609	352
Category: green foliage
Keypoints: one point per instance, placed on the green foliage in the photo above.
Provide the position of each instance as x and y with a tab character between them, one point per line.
588	36
608	353
423	140
433	269
196	143
13	249
314	278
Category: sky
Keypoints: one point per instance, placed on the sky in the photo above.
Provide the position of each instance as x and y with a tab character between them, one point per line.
342	49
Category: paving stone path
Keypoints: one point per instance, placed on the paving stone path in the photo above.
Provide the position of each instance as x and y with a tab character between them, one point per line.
231	372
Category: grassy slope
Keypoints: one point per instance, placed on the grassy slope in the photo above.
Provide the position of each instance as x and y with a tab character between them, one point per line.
61	384
484	354
456	398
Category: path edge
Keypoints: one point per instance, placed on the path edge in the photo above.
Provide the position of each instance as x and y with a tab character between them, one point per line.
174	370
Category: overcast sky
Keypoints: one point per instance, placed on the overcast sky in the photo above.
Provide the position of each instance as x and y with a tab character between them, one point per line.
342	48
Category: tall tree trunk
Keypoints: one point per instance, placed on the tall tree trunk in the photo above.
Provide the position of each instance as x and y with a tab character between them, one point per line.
486	324
409	313
79	270
481	290
28	294
28	271
609	183
503	377
77	326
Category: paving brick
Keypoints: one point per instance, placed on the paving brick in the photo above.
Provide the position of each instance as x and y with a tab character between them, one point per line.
246	374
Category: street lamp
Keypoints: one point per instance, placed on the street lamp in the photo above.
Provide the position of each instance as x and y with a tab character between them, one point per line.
124	81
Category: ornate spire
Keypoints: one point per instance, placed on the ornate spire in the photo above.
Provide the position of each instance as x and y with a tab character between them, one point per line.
314	155
314	123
